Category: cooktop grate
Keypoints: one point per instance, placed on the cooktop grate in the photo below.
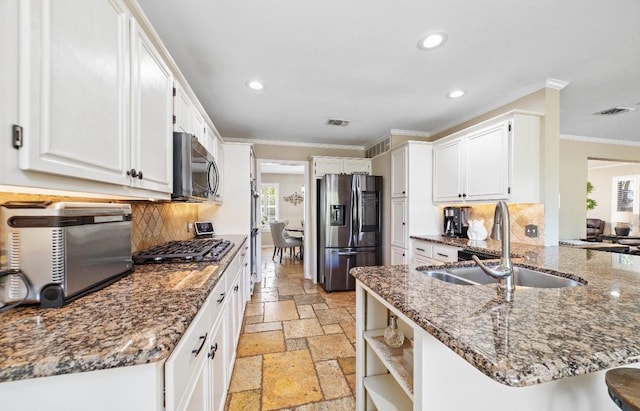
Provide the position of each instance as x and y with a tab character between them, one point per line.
181	251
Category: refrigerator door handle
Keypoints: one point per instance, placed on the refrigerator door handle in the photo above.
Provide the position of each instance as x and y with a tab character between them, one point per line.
353	241
348	253
360	210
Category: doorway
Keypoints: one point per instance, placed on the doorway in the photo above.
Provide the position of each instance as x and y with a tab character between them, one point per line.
283	186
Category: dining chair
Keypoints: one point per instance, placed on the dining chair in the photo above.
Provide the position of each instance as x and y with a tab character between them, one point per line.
280	242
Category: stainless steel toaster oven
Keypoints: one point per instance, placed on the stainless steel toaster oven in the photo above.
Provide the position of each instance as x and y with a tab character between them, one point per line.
55	252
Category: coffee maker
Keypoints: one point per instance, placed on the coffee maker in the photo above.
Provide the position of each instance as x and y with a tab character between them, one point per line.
456	221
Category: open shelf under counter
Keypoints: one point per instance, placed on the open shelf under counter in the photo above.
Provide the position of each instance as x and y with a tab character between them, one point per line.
392	359
386	394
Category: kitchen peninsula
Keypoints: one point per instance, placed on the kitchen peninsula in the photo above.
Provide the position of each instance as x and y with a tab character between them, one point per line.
547	350
131	345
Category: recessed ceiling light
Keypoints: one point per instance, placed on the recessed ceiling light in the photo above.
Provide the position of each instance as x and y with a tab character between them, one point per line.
432	40
255	85
456	94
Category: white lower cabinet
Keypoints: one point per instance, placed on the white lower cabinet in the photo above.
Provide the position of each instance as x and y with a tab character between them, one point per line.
216	369
384	378
398	256
445	253
198	371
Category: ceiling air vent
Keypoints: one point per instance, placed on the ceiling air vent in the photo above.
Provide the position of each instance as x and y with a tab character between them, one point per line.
613	111
337	122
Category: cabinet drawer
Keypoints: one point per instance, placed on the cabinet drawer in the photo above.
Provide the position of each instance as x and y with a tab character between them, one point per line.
183	365
446	254
420	261
422	248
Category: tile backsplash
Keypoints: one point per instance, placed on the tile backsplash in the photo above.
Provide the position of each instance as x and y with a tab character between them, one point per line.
521	214
152	222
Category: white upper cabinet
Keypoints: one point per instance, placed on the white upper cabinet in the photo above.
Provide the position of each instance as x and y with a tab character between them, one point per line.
487	163
339	165
74	93
182	110
498	159
97	96
151	118
197	123
399	172
356	165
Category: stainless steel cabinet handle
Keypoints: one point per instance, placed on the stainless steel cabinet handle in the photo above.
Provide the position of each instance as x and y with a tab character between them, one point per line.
443	255
419	249
221	299
204	339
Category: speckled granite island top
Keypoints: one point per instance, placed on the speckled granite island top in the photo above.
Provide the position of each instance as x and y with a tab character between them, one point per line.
137	320
544	334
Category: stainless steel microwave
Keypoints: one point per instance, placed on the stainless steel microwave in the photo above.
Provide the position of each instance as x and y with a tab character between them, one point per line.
195	174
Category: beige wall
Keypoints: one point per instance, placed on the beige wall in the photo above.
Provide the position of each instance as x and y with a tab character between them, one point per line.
532	102
573	172
282	152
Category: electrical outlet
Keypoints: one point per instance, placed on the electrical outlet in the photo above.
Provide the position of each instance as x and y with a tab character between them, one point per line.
531	230
189	227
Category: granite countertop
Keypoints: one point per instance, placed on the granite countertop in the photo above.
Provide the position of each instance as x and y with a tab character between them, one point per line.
543	334
137	320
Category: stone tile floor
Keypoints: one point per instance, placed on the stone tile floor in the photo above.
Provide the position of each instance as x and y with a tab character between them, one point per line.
297	347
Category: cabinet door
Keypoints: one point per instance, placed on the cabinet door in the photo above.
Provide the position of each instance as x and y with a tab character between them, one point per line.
322	166
399	176
199	397
447	177
217	367
399	223
74	93
487	163
398	256
151	131
197	122
356	166
182	107
420	260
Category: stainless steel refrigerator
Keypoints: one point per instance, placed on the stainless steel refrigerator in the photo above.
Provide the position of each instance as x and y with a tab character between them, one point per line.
349	227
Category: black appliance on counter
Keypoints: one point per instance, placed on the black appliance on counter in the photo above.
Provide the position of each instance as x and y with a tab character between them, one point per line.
456	221
349	227
466	255
185	251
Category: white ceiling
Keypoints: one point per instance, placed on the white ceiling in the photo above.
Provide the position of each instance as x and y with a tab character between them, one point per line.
358	60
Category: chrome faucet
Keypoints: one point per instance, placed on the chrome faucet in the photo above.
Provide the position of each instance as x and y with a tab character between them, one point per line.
504	270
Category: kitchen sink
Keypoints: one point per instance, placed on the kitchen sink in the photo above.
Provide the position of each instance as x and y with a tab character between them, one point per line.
523	277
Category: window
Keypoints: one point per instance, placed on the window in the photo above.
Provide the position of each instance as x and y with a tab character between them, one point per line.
268	203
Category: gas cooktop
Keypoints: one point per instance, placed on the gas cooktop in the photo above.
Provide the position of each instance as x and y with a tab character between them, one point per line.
185	251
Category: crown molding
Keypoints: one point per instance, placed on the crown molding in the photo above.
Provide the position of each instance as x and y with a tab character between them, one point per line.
410	133
599	140
556	84
292	143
